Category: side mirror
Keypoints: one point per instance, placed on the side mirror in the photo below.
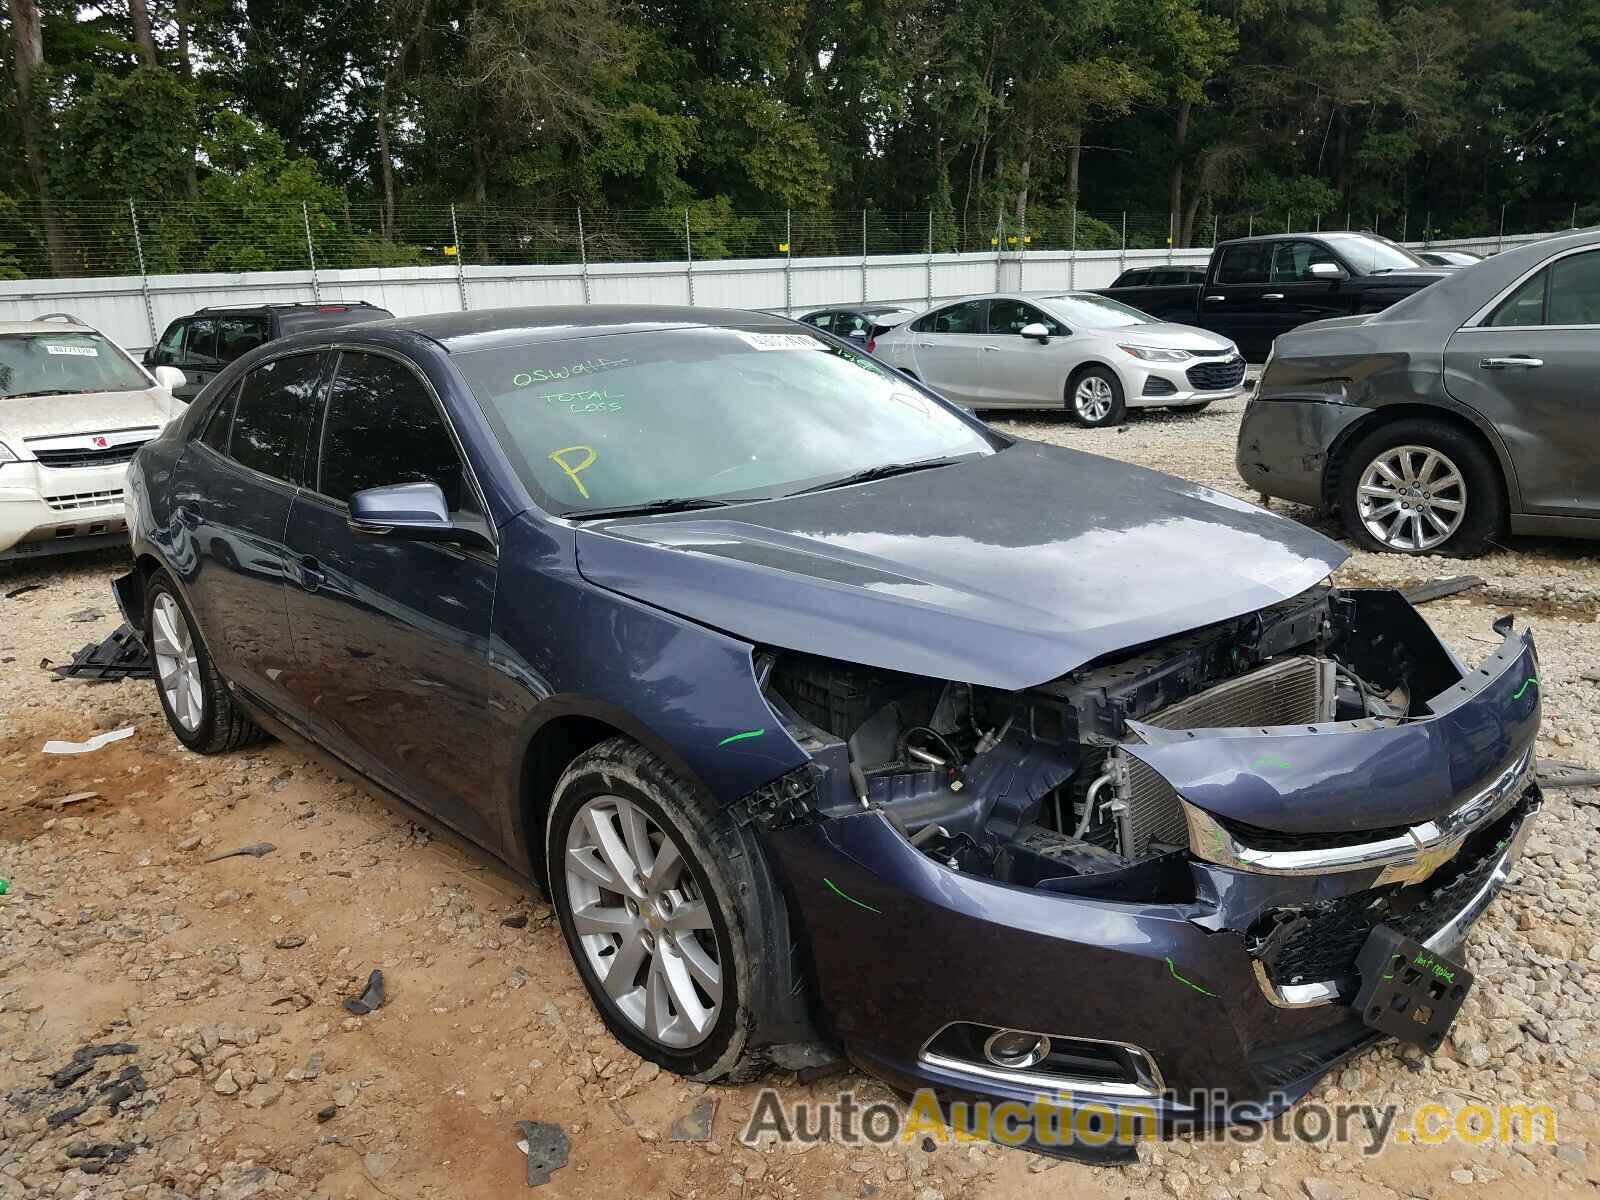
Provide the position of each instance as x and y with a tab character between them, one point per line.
413	512
149	358
170	378
1326	270
1038	331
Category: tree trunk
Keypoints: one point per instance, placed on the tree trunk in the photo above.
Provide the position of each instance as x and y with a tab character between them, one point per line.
185	68
27	53
1175	183
144	39
1022	192
1074	157
1340	141
180	16
385	166
480	165
1186	234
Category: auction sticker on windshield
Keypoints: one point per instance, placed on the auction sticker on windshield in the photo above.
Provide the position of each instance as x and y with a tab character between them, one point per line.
73	351
779	341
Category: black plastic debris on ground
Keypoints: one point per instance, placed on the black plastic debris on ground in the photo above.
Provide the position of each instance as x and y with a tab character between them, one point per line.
83	1059
120	656
546	1147
369	1000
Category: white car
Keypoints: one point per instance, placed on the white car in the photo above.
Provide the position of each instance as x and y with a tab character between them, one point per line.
74	406
1090	353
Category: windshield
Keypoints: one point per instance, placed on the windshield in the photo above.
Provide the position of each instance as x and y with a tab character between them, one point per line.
1372	255
631	419
49	364
1081	309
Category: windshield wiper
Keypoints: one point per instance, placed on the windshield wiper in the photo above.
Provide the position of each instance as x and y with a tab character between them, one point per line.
46	392
881	471
675	504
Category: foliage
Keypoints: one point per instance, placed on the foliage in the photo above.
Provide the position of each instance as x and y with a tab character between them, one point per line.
368	119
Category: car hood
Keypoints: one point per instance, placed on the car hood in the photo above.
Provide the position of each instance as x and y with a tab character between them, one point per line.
1167	335
1006	571
89	412
1418	277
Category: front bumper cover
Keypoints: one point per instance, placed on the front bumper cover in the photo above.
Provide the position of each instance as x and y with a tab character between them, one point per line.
903	946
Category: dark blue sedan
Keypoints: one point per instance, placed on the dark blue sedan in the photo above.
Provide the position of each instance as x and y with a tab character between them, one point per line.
832	719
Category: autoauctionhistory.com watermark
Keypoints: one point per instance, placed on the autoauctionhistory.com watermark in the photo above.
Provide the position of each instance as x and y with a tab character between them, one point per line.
1057	1121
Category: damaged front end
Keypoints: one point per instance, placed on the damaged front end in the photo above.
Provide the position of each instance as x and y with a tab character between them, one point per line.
1152	878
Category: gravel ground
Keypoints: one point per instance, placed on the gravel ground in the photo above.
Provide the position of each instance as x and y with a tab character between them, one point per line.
235	1072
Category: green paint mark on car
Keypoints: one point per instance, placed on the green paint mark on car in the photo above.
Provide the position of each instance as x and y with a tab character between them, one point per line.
834	888
1268	762
740	737
1188	982
1531	679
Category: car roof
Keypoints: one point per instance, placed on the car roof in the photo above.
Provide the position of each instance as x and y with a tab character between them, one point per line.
485	329
46	327
327	306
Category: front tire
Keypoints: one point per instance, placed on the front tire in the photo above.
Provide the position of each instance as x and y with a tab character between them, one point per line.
198	707
1095	399
1421	487
660	904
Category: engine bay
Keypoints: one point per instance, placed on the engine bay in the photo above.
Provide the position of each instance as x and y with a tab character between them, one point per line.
1036	787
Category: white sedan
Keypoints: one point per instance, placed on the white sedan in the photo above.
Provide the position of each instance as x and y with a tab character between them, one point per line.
1086	352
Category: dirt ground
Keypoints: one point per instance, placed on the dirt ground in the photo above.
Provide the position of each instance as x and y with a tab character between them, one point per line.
219	984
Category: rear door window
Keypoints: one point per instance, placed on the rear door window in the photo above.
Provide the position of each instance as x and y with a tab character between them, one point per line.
1525	306
215	434
237	336
1575	290
960	318
272	414
1245	263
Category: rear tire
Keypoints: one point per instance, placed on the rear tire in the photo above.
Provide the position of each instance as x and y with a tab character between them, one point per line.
1421	487
199	710
1094	398
616	806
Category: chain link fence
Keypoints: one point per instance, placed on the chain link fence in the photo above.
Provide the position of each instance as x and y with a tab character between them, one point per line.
86	240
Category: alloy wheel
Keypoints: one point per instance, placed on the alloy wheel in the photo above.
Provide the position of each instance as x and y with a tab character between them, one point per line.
177	665
643	926
1092	398
1411	498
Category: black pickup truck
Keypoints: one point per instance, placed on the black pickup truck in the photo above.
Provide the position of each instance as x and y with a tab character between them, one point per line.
1258	287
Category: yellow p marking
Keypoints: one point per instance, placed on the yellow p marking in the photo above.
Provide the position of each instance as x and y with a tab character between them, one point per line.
558	457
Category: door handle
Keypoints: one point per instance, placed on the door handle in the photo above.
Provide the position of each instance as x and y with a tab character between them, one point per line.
992	349
1510	360
1215	298
925	345
312	576
1273	296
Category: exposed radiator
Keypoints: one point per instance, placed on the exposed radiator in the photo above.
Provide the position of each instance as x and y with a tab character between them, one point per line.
1291	691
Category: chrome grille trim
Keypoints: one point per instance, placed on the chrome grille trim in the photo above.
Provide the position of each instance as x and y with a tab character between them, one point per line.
1406	859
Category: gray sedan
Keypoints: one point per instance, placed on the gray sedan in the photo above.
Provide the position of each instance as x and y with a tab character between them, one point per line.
1093	355
1464	410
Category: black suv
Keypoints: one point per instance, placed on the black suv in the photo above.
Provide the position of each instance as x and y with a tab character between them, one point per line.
203	343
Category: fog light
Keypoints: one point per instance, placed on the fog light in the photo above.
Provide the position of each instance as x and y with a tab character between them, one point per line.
1016	1050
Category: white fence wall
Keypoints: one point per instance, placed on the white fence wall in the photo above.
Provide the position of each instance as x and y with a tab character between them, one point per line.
134	310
